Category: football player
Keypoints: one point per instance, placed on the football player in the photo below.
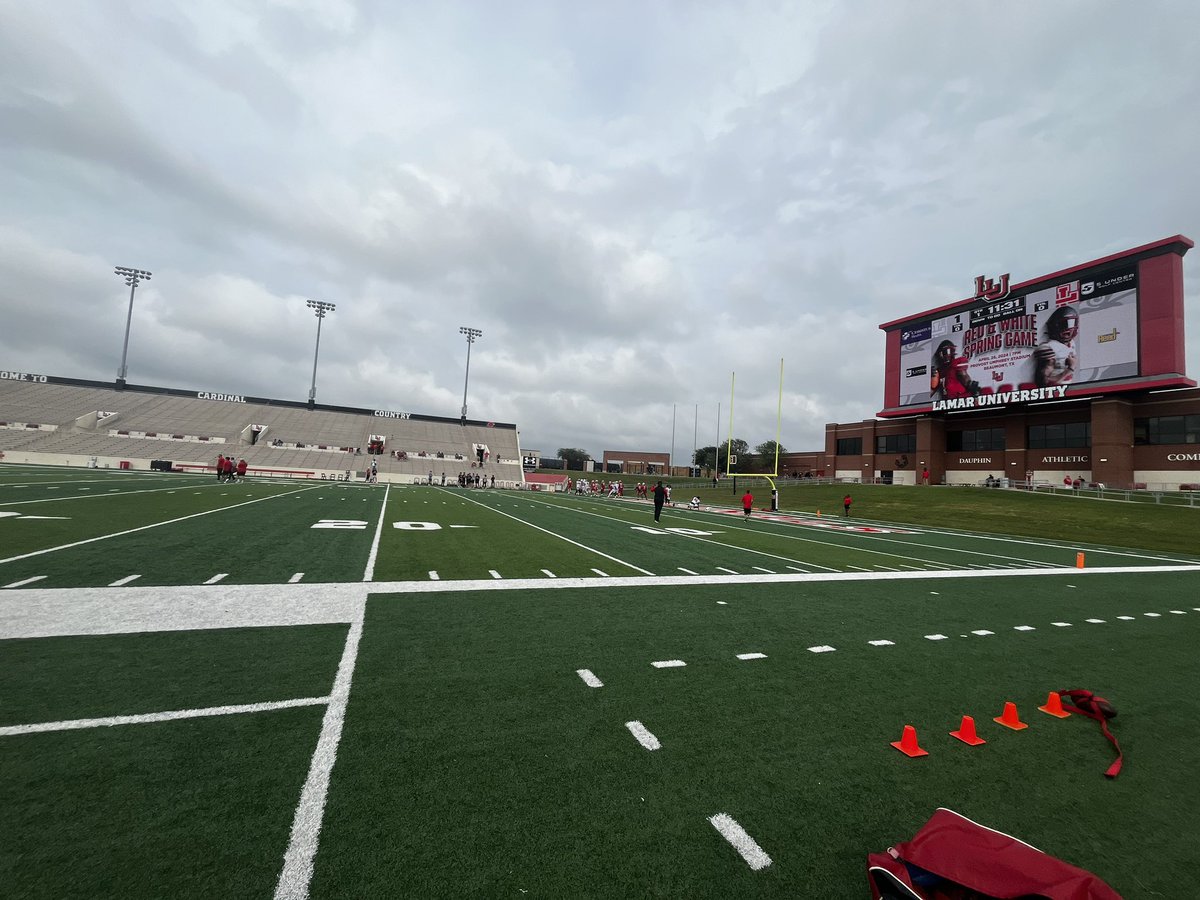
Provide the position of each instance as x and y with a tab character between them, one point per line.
950	377
1054	360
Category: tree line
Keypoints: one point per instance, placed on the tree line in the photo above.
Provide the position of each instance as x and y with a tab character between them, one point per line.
705	457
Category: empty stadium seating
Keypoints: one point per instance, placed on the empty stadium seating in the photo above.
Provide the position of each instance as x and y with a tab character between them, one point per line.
145	426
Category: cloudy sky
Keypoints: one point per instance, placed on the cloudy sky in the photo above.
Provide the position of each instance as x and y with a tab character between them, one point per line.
632	200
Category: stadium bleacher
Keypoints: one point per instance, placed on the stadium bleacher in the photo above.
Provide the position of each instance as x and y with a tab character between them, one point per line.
143	426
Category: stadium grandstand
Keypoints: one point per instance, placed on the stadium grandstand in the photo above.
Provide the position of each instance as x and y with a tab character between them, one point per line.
71	422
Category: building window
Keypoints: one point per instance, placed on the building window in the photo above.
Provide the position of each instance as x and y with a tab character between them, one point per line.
1167	430
1062	434
896	443
979	439
849	446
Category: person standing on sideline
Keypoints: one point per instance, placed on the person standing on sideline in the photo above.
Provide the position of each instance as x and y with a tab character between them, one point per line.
221	467
660	497
747	503
925	476
241	470
846	501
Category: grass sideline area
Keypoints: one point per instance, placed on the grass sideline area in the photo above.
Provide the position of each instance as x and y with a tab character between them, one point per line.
184	666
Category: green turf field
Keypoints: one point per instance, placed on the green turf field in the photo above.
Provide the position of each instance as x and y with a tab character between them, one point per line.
340	690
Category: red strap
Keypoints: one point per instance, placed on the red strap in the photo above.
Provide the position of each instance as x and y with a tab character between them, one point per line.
1078	695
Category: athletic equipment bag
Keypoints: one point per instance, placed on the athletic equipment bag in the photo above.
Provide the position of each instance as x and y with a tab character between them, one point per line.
953	858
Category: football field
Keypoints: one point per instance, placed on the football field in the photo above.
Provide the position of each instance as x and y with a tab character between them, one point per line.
340	690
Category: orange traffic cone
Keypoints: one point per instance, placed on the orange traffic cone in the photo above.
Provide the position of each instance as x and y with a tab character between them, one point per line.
1054	706
966	732
908	743
1079	560
1010	719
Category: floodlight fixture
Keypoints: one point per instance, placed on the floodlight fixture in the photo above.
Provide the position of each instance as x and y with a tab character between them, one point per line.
132	278
472	334
320	307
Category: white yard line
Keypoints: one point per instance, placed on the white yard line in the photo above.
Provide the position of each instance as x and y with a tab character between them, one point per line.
217	578
752	656
369	573
297	871
116	534
643	735
91	496
589	678
754	855
548	573
668	664
171	716
559	536
296	578
120	582
17	584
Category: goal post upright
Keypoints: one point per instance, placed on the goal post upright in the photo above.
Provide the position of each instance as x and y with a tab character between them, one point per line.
770	477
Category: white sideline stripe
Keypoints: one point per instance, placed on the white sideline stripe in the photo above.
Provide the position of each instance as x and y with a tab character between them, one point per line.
723	569
306	826
754	855
116	534
217	578
601	574
983	632
752	656
881	643
1125	618
1061	624
369	572
935	637
17	584
1024	628
1095	621
296	578
668	664
434	576
588	678
1153	615
548	573
1178	612
170	716
722	603
822	648
55	612
123	581
643	735
687	571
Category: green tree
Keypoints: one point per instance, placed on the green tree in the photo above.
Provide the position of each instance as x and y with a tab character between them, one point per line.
705	458
574	457
740	450
766	454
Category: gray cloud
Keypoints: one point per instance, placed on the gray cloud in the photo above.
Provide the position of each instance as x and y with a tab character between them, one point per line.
631	202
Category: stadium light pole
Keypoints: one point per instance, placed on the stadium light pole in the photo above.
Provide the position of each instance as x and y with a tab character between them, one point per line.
132	277
321	307
471	334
